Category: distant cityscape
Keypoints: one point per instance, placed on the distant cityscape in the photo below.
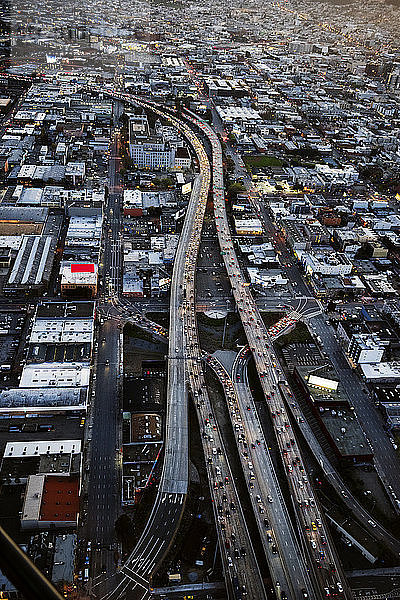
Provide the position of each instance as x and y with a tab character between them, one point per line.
199	312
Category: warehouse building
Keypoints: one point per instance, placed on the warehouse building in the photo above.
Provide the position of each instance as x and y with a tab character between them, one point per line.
55	375
42	400
33	265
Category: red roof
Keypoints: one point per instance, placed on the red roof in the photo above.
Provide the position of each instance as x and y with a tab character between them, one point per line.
60	500
82	268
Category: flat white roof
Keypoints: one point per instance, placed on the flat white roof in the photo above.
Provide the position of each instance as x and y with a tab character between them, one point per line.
62	331
78	278
323	382
10	241
383	370
238	112
55	375
84	227
36	448
33	498
133	198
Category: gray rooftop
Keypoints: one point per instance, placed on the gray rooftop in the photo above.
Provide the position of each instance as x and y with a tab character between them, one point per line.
26	214
42	398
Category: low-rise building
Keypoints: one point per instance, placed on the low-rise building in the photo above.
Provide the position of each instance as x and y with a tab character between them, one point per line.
79	279
325	263
264	278
55	375
182	158
43	400
325	394
366	348
32	266
51	501
381	372
248	226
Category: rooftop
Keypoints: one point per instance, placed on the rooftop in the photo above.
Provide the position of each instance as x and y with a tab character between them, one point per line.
60	500
36	448
41	399
65	309
34	262
55	375
62	331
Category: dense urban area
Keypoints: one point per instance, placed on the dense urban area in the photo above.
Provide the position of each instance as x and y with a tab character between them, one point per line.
199	312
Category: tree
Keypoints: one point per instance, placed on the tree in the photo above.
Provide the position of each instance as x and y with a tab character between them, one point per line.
154	211
234	189
163	183
230	163
124	528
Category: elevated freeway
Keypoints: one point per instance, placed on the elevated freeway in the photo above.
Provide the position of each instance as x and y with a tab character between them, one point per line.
327	577
368	521
286	564
242	576
157	537
325	571
319	552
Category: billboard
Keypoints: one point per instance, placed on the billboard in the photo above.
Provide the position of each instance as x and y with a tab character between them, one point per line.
187	188
322	382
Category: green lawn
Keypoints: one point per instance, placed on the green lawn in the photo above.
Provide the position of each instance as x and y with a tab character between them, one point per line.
261	160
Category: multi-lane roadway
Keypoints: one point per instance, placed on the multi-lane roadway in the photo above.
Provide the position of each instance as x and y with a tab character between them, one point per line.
163	523
288	571
164	520
173	484
103	423
318	552
325	569
325	573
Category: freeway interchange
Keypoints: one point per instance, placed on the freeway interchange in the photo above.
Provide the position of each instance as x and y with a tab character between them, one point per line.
323	565
305	564
286	566
305	561
243	576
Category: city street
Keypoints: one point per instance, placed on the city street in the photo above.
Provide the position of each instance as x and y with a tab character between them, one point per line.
105	462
